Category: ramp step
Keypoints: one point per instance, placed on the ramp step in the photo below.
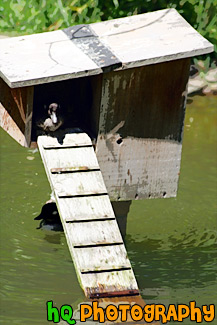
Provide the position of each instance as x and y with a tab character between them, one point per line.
87	208
67	140
78	183
67	146
108	258
82	157
115	283
73	169
94	233
90	226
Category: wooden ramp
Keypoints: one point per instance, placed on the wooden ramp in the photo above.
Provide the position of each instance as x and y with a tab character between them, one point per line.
90	226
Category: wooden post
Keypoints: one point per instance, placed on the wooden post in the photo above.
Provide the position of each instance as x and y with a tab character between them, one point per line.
121	210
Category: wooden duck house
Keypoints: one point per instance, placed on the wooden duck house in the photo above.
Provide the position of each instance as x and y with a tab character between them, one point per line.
124	83
124	80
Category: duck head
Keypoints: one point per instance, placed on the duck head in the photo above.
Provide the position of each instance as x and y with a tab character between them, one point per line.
49	216
52	121
52	112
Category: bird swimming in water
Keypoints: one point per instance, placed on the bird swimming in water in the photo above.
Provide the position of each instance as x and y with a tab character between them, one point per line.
49	216
53	121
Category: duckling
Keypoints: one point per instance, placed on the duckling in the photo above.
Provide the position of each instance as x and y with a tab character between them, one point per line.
49	216
53	121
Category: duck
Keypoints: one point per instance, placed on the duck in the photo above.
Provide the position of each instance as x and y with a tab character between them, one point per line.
49	216
53	120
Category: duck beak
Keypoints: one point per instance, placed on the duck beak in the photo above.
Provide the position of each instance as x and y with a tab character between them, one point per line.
54	117
38	217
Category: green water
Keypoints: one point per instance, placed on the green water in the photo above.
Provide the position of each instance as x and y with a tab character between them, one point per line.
172	243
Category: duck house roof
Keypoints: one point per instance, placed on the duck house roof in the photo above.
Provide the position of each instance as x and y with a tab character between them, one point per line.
84	50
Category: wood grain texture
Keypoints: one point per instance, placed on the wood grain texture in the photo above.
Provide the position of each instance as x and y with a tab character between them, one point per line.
76	184
134	41
114	257
28	109
8	124
51	62
94	233
98	284
140	130
91	230
150	38
16	107
54	158
140	168
86	208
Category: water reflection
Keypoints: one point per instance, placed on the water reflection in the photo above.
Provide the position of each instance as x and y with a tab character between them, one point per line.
53	238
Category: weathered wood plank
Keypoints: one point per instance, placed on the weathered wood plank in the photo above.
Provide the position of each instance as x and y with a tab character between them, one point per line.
108	258
140	130
69	169
78	158
86	208
28	109
8	124
94	233
16	107
74	184
154	37
51	63
91	230
134	41
152	168
69	140
100	284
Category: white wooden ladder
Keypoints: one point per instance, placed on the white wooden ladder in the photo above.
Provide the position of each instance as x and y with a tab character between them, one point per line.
89	223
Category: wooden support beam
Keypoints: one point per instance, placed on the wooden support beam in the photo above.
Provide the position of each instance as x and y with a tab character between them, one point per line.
16	107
